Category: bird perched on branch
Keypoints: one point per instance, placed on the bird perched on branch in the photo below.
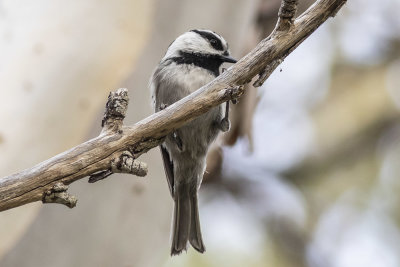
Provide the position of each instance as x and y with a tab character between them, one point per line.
191	61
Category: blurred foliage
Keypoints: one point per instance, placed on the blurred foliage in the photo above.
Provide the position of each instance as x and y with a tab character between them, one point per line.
321	129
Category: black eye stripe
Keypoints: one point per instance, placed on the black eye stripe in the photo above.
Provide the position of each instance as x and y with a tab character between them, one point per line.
211	38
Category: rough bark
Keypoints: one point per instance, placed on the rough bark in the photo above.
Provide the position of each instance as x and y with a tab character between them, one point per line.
97	155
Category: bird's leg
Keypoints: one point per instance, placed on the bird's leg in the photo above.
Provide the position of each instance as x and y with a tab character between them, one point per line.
234	93
225	124
175	136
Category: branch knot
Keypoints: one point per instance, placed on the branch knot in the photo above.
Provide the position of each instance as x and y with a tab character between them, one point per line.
286	14
116	107
233	93
124	163
288	9
58	194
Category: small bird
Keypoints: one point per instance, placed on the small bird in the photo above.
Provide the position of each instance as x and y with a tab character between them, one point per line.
191	61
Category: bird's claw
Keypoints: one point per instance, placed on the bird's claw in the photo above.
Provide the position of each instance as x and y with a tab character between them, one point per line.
225	125
235	93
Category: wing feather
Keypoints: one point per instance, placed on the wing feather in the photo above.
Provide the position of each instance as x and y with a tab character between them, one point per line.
168	168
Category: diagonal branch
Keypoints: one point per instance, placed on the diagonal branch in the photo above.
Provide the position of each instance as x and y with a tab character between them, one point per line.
124	144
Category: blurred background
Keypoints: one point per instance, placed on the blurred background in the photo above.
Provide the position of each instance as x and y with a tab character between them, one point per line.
307	176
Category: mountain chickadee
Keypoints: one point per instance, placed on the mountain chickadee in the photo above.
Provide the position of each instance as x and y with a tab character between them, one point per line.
191	61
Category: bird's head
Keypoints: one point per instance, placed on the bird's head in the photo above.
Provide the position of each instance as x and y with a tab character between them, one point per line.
201	43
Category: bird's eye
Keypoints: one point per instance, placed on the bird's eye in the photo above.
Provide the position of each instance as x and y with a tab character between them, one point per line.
213	41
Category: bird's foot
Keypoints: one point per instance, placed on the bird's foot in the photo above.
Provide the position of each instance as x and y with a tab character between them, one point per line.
225	125
235	93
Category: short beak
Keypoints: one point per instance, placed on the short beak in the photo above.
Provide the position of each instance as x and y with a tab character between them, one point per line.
228	59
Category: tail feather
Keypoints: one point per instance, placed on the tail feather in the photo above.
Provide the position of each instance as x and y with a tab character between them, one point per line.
195	237
186	224
181	224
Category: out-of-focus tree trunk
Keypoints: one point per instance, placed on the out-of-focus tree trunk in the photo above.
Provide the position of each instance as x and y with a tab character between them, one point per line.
130	225
75	53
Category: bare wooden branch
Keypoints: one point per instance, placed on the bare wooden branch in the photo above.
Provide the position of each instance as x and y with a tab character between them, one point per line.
265	73
100	154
